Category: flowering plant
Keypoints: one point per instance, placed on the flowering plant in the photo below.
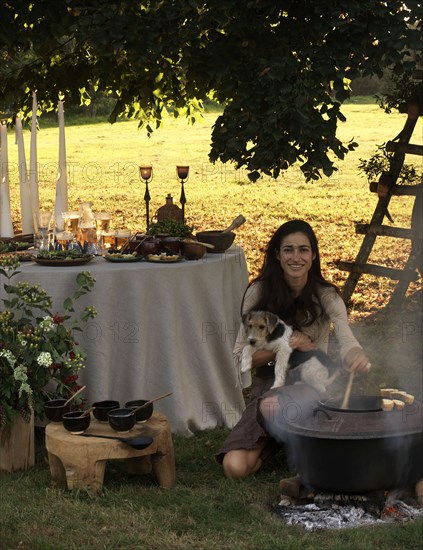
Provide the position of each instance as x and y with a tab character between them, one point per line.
39	357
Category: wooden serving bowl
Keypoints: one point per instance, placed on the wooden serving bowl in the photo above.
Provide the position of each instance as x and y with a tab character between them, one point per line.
193	250
221	241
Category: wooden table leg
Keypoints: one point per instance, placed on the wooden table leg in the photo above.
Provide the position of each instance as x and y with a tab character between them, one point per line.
57	471
164	468
85	475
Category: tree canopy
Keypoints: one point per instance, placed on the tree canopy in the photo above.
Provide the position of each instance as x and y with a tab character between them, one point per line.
280	69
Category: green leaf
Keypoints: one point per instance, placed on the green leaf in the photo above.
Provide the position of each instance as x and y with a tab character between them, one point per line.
68	305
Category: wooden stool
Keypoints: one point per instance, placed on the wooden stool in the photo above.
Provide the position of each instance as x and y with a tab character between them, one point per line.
81	461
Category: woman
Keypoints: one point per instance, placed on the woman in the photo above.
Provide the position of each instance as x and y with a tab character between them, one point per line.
292	286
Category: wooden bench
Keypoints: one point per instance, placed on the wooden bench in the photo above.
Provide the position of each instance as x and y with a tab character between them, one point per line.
81	461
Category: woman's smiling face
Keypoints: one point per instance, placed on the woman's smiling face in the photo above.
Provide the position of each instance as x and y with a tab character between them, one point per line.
296	256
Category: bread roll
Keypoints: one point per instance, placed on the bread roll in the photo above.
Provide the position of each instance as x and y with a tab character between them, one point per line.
409	399
387	404
387	392
398	404
393	393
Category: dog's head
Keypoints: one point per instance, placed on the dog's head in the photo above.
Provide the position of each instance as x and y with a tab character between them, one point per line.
261	327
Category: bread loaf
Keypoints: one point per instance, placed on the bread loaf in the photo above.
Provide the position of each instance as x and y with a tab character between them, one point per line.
398	404
393	393
409	399
387	404
387	392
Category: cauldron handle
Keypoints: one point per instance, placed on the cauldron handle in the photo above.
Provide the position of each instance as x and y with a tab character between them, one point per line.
318	409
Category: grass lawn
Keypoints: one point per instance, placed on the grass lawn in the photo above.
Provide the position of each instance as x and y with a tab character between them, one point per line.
205	510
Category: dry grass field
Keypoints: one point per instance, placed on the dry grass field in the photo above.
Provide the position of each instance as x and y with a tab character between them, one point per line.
103	165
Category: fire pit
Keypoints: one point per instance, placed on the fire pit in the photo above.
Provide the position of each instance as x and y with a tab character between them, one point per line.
337	511
357	450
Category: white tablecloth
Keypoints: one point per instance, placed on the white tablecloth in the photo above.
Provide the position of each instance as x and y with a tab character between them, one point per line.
159	328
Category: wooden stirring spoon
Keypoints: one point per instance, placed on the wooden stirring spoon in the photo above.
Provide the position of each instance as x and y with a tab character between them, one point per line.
74	395
152	401
346	400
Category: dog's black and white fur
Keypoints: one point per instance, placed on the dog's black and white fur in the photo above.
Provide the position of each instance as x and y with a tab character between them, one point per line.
265	330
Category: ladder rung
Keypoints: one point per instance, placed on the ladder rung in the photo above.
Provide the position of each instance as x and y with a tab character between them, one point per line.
378	270
398	190
384	230
403	148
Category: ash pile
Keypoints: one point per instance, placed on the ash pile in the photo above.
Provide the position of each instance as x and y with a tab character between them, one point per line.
316	511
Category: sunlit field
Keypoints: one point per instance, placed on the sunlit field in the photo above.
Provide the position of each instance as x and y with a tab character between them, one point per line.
103	162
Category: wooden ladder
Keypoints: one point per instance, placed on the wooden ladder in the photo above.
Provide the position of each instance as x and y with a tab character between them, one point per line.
386	188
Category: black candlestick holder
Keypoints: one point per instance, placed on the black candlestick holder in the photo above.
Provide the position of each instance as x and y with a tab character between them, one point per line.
182	173
146	174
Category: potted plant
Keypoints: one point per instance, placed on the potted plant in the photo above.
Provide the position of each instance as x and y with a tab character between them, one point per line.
39	356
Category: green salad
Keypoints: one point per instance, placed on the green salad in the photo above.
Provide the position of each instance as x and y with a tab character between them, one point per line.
12	246
61	254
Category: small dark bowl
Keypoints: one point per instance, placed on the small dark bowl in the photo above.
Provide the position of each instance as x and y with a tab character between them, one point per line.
149	246
170	245
121	420
221	241
75	423
102	408
135	244
143	414
55	409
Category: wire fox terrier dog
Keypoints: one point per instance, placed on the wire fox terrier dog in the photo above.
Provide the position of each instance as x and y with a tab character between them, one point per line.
265	330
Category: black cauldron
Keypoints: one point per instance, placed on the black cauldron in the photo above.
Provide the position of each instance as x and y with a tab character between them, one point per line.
357	450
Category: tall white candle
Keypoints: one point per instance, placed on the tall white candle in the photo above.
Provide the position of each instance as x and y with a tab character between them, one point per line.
25	191
63	176
58	209
33	163
6	225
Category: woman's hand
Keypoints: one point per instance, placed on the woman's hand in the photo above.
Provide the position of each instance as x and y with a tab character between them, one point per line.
301	341
356	361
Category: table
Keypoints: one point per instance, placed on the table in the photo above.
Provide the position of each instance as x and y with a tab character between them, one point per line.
159	328
81	461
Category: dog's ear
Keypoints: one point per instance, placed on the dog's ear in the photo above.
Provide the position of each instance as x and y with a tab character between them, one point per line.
272	320
245	318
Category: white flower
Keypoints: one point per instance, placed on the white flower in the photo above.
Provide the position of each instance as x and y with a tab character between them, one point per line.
22	340
44	359
46	323
8	355
20	373
25	388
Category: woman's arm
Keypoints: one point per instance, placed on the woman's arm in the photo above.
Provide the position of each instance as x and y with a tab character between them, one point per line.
352	353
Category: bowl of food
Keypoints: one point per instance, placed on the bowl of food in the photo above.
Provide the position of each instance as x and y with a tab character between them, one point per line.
221	240
102	408
193	250
121	420
142	414
55	409
76	422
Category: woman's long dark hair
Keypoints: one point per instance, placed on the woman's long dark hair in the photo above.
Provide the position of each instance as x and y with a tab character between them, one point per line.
275	294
